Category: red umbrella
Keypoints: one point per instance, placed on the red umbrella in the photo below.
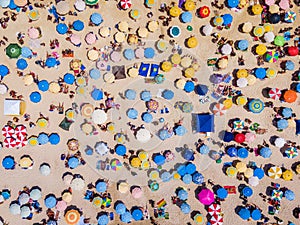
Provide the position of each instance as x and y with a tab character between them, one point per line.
216	220
239	138
275	93
214	209
9	142
203	11
293	51
7	131
21	131
21	141
125	4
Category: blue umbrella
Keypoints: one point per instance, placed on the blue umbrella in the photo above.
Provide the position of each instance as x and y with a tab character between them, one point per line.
146	96
185	208
149	53
232	151
137	214
35	97
26	52
187	178
163	134
95	74
180	130
50	62
96	19
43	85
103	220
244	213
182	194
189	86
51	222
282	124
243	45
256	214
228	136
97	94
289	65
168	94
147	117
126	217
190	168
159	159
198	178
265	152
120	208
166	176
13	6
3	70
298	87
42	138
62	28
274	18
258	172
101	186
256	106
242	153
69	78
232	3
247	192
50	201
54	139
130	94
73	162
78	25
188	154
132	113
8	162
222	193
201	89
204	149
6	194
22	64
186	17
287	112
120	149
129	54
290	195
260	73
181	170
227	19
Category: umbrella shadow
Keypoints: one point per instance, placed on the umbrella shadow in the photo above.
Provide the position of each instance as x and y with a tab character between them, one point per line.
64	174
293	86
241	187
101	214
237	209
201	30
265	92
73	207
34	187
294	165
194	213
267	167
273	139
269	190
133	187
118	202
199	189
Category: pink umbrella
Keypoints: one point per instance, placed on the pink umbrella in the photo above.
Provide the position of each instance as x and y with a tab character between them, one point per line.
21	142
90	38
9	142
206	196
61	205
250	137
137	192
33	33
270	2
75	39
7	131
284	4
20	131
115	56
139	53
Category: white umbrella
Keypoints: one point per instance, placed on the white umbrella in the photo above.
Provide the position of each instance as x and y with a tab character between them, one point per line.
62	7
143	135
207	29
45	170
226	49
269	37
79	5
242	82
23	198
4	3
3	89
77	184
35	194
101	148
68	179
99	116
1	201
279	142
25	211
14	209
253	181
90	38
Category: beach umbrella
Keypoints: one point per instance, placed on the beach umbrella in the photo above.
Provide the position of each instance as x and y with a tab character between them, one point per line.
130	94
72	216
134	14
219	109
243	45
242	73
95	73
79	5
239	138
203	11
185	208
189	5
119	138
5	3
248	173
241	167
152	25
13	50
168	94
132	113
137	214
25	162
242	82
145	96
218	21
291	152
99	116
23	198
284	4
222	193
9	142
214	209
247	27
180	130
75	39
45	169
22	64
135	162
261	49
77	184
206	196
163	134
192	42
154	175
78	25
293	51
188	154
116	165
69	78
279	41
257	9
159	159
258	172
120	149
199	218
15	209
290	17
232	3
96	19
228	136
231	171
8	131
289	65
226	49
269	37
62	28
242	153
216	220
298	169
25	211
290	195
161	45
287	175
42	139
232	151
265	152
227	19
150	3
149	53
204	149
250	137
186	17
175	11
126	217
97	94
73	162
244	213
120	208
3	70
287	112
259	31
101	148
136	192
43	85
256	106
197	178
282	124
91	38
50	201
275	172
207	30
247	191
125	4
129	54
61	206
271	73
277	195
275	93
279	142
182	194
174	31
34	33
147	117
190	168
101	186
50	62
91	2
35	194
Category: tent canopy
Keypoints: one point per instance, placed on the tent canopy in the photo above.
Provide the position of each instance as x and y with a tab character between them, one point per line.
13	107
205	123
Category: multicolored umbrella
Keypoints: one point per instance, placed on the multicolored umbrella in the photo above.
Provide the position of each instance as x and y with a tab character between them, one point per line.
72	217
238	124
219	109
256	106
275	172
290	17
272	56
291	152
277	195
275	93
116	165
214	209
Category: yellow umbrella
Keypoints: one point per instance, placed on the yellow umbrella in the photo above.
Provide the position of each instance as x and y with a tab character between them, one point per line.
33	14
259	31
241	167
242	73
257	9
162	45
123	187
248	173
33	141
54	87
134	14
154	175
132	39
291	123
145	165
271	73
175	11
119	37
133	72
123	26
274	8
186	62
143	155
192	42
25	162
166	66
261	49
223	63
80	81
67	196
142	32
247	27
111	127
243	3
189	72
298	169
241	100
180	83
97	202
175	58
28	80
152	26
135	162
287	175
189	5
93	54
227	103
231	171
109	78
268	27
72	217
251	79
70	114
176	176
104	31
42	122
275	172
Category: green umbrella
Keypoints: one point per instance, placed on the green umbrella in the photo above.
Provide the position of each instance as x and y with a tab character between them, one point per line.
13	50
91	2
279	40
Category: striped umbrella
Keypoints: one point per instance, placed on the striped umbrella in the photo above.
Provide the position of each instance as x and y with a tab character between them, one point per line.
219	109
9	142
275	93
216	220
275	172
290	17
125	4
272	56
256	106
291	152
8	131
214	209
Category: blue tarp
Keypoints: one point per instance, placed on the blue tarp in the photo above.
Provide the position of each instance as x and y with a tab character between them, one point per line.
297	127
144	68
154	70
205	123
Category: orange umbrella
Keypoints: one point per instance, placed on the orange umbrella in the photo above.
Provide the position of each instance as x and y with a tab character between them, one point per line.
72	217
290	96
